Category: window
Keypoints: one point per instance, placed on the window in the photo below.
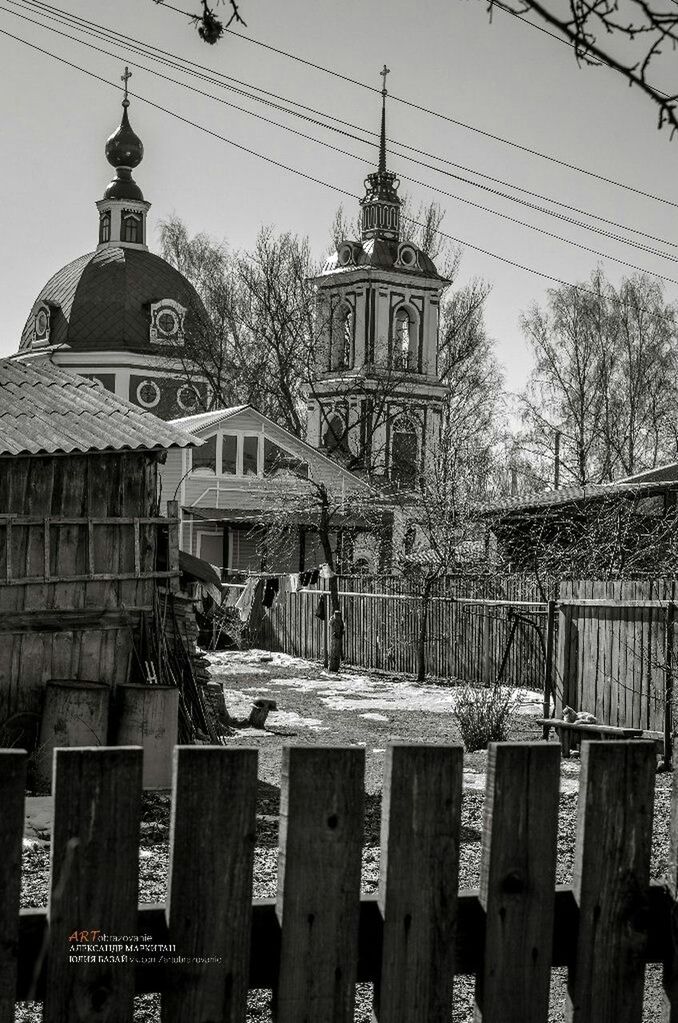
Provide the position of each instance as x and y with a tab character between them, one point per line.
211	547
205	457
342	340
405	458
276	459
335	437
229	455
105	227
401	340
347	339
131	228
250	456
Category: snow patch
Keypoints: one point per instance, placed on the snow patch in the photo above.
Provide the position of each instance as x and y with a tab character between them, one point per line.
374	717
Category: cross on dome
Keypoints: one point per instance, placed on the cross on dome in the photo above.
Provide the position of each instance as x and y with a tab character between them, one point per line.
125	79
384	71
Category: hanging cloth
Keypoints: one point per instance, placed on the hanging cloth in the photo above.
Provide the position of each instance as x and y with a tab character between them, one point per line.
294	579
284	585
321	610
244	601
326	572
271	588
315	575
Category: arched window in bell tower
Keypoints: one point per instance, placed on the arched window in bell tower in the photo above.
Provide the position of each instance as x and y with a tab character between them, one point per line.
105	227
342	338
335	437
405	346
404	460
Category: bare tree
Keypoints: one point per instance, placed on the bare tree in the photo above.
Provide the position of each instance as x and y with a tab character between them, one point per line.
210	28
630	38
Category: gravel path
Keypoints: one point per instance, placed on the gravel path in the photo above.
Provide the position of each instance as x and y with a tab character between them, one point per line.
370	710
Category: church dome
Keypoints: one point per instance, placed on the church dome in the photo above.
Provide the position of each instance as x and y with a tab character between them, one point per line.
113	300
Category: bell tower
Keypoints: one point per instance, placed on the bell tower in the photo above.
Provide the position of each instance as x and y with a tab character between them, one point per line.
376	399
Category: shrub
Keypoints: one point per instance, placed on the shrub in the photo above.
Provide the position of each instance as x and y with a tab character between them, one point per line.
483	715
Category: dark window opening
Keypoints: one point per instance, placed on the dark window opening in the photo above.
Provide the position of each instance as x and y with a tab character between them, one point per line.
250	456
402	354
335	437
276	459
131	228
105	227
229	455
205	457
405	459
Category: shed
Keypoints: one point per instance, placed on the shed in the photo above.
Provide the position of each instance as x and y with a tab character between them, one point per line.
79	532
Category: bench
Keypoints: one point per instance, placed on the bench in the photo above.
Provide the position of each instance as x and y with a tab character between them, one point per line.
567	731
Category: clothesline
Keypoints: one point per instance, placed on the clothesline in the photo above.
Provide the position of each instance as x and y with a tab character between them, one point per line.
266	587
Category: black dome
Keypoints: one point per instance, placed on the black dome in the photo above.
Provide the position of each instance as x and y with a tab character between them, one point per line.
101	301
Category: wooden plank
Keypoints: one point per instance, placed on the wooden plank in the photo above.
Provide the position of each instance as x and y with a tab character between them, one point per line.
12	788
421	814
517	882
94	882
70	619
321	825
210	882
670	978
611	876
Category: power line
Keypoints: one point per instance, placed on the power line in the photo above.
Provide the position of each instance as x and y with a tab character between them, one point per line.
286	167
458	198
98	31
452	120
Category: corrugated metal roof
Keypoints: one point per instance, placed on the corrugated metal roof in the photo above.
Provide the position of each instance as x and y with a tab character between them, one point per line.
200	419
574	495
45	409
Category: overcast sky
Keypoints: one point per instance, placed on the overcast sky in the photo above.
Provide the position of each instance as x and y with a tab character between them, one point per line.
502	77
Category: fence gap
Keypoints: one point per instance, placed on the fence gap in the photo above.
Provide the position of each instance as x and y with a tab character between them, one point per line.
420	834
321	833
210	883
611	878
94	880
517	882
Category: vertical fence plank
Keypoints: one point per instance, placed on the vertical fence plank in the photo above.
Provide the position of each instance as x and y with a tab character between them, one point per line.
12	789
210	882
517	882
421	814
321	828
670	1006
94	880
611	878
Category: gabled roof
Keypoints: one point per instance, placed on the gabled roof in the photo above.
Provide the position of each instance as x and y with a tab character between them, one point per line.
201	422
45	409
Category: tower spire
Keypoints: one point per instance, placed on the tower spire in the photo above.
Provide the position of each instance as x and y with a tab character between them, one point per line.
380	205
382	141
122	210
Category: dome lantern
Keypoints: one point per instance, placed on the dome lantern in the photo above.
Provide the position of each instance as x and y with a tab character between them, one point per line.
122	211
380	206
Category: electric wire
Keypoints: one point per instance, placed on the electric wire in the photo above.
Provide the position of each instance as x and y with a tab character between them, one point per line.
439	114
294	170
143	48
644	248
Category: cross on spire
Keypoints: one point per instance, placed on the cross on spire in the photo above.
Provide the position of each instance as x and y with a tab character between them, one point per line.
384	71
125	79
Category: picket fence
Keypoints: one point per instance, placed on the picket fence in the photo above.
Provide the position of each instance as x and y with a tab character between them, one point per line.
476	626
319	936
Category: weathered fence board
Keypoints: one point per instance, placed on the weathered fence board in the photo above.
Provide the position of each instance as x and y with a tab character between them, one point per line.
12	788
320	936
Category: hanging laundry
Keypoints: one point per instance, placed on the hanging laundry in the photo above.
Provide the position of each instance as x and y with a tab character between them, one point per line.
326	572
234	595
294	580
244	601
271	588
315	575
321	610
284	585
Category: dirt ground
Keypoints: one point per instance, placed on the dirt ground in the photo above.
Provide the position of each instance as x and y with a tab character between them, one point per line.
372	710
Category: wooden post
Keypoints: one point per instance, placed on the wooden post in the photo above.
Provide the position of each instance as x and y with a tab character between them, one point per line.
420	824
611	879
668	685
548	667
210	884
517	882
173	542
12	789
94	880
321	832
670	1006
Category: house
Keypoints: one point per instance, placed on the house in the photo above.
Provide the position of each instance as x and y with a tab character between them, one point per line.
628	526
83	548
247	467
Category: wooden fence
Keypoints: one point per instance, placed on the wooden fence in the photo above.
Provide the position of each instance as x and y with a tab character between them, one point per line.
319	936
617	649
474	626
